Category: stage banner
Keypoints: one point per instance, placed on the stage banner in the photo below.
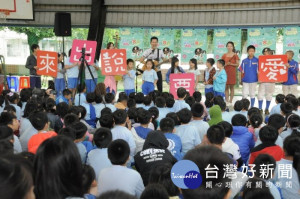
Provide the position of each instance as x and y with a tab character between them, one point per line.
193	45
113	62
184	80
222	36
291	41
89	48
132	41
166	37
272	68
47	63
262	38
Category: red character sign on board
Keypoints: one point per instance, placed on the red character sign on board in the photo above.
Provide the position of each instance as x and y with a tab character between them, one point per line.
90	50
47	63
113	62
272	68
184	80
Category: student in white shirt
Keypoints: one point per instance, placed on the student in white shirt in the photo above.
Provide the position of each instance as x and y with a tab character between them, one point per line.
60	80
202	127
98	157
228	145
180	103
160	103
121	132
291	146
118	176
187	132
194	69
110	100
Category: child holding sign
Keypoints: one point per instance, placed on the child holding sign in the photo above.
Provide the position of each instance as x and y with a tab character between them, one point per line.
290	86
220	79
265	89
175	68
249	69
149	78
129	78
194	69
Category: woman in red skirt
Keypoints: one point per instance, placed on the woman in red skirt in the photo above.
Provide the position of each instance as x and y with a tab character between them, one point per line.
231	63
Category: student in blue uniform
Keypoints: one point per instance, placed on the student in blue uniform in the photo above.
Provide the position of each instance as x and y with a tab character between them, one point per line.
220	79
249	70
149	78
65	97
129	78
90	116
72	74
167	126
290	86
90	84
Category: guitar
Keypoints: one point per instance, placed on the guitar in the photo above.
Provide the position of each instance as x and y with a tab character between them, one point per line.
156	64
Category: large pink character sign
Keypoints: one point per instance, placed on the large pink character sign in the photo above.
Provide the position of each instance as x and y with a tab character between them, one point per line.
184	80
90	50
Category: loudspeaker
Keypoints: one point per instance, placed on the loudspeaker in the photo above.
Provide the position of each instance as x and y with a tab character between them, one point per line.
62	24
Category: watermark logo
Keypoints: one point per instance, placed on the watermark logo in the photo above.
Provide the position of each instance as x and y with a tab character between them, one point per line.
185	174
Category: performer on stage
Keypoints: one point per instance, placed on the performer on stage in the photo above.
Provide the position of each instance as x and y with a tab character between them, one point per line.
290	86
35	80
265	89
110	81
231	63
175	68
72	74
249	70
154	53
59	80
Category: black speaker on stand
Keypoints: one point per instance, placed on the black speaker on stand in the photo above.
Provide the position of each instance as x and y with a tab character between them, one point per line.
62	27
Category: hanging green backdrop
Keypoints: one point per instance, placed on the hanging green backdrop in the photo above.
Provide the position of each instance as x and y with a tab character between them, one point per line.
291	41
131	37
222	36
191	39
262	38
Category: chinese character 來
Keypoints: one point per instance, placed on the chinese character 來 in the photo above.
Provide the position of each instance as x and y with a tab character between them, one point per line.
48	62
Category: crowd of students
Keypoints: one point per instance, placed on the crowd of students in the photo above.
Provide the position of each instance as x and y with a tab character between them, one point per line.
88	145
53	149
